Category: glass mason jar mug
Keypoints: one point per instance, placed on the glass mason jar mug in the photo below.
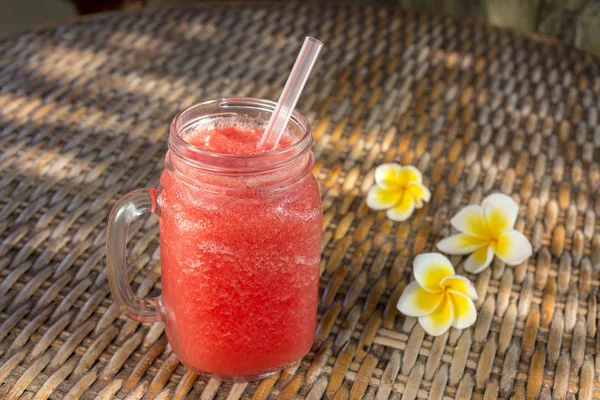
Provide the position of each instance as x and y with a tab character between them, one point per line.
240	239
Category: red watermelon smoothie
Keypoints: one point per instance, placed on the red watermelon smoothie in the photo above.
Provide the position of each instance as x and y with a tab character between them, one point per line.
240	251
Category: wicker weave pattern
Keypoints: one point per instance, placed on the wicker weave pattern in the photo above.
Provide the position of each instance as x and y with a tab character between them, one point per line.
84	111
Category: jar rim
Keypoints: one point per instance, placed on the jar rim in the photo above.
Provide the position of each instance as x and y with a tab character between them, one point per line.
202	157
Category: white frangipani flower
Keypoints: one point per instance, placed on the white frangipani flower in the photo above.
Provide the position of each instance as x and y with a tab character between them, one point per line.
399	190
487	230
438	297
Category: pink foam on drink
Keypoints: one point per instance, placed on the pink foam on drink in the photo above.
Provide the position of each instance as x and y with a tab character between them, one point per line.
231	140
239	272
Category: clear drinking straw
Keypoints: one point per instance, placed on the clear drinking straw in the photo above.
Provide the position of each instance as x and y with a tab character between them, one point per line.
291	93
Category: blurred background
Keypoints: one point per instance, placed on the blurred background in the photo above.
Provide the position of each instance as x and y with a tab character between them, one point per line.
575	22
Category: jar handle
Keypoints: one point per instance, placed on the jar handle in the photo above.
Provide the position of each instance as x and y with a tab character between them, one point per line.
126	210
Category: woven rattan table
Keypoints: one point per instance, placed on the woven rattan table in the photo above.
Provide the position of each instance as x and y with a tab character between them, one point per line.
84	114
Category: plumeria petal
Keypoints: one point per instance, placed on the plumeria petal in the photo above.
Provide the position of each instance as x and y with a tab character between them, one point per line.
416	302
479	260
461	244
403	208
460	284
382	199
409	174
465	313
419	192
512	247
470	220
500	212
386	176
429	270
440	320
